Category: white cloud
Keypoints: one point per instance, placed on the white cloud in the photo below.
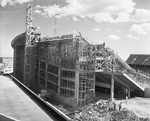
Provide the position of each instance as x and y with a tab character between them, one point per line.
47	11
100	10
3	3
130	36
96	29
37	11
113	37
75	18
141	15
141	29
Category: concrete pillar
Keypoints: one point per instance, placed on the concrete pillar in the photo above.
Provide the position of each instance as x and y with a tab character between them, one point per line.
112	87
129	91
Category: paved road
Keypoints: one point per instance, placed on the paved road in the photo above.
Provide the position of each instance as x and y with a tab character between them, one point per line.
16	104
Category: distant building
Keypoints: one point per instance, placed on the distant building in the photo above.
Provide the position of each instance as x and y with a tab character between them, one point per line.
6	64
140	62
6	60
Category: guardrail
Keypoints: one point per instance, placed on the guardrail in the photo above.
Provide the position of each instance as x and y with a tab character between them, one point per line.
51	111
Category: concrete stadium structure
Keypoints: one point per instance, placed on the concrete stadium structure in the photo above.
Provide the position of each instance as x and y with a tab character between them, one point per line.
69	68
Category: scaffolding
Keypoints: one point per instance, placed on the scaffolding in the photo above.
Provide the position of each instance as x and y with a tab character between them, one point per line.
30	47
86	73
66	69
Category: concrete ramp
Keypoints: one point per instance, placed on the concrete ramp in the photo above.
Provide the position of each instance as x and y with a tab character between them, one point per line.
120	79
130	82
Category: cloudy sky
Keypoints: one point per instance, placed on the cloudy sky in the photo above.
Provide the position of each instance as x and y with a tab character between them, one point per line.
124	25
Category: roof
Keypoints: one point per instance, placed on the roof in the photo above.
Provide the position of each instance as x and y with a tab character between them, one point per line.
138	59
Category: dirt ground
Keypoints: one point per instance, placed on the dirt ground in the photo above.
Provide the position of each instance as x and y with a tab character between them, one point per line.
140	106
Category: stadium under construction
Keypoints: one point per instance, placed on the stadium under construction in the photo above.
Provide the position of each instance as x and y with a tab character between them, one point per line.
70	69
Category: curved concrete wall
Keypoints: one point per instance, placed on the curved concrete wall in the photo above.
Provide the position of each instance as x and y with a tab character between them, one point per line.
18	44
18	40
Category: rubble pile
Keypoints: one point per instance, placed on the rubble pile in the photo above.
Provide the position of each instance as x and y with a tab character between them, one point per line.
105	110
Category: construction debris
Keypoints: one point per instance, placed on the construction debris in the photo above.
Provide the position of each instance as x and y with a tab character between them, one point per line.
105	110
